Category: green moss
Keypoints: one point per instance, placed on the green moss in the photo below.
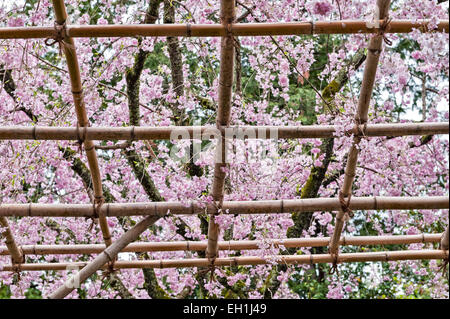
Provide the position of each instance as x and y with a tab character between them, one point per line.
152	286
329	92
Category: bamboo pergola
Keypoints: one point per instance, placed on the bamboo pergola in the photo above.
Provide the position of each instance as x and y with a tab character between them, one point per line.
152	211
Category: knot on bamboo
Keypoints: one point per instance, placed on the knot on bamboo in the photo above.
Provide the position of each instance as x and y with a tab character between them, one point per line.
210	269
444	268
81	136
227	19
110	269
334	268
59	37
98	202
345	206
20	259
218	208
17	269
362	129
384	28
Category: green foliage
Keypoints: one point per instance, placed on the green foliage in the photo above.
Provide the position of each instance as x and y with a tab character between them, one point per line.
5	292
33	293
306	285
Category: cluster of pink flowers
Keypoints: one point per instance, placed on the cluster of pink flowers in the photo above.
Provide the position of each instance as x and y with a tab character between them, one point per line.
322	8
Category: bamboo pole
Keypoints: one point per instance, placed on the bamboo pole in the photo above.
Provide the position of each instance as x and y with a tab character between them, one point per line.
77	91
107	255
228	207
218	30
382	256
206	132
373	54
227	52
226	245
15	251
444	240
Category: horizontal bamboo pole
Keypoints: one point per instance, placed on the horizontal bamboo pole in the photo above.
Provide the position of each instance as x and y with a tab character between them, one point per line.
226	245
228	207
384	256
218	30
205	132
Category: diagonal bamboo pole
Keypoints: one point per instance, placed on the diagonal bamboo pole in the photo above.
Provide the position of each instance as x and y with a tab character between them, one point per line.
17	256
206	132
108	255
374	50
227	18
228	207
219	30
380	256
227	245
77	91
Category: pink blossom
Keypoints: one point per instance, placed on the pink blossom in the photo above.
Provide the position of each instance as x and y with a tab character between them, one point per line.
322	8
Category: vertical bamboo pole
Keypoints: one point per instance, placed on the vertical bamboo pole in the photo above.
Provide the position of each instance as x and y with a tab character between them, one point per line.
108	255
374	50
15	251
227	17
77	91
444	240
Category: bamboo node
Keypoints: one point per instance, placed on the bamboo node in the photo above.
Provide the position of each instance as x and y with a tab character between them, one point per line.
34	132
225	85
188	30
132	134
313	27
